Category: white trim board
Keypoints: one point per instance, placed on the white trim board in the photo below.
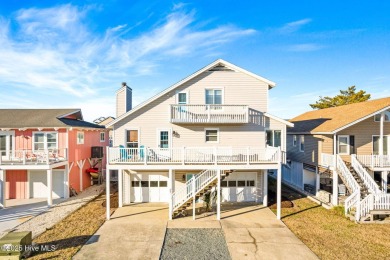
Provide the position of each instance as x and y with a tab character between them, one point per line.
190	77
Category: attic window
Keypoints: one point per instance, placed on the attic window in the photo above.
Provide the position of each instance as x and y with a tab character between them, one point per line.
220	68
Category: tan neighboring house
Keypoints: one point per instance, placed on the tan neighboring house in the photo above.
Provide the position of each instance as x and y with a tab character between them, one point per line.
350	142
210	130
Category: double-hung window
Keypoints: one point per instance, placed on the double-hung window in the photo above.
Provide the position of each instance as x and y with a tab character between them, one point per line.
301	143
294	140
274	138
214	98
102	137
132	138
80	137
343	144
45	140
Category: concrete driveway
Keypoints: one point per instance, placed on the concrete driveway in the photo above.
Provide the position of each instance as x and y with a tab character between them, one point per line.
253	232
19	211
134	232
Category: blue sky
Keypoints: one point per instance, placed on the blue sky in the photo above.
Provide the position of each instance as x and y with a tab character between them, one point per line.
76	54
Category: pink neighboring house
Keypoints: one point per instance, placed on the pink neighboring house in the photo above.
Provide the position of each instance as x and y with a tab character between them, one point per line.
43	150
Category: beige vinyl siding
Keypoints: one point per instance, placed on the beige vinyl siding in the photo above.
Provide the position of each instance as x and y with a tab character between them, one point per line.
363	133
238	88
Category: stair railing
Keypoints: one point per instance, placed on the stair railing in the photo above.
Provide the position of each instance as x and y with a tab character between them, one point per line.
364	175
354	198
201	180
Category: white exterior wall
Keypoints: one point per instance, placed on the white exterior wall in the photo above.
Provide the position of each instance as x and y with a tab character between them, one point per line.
238	88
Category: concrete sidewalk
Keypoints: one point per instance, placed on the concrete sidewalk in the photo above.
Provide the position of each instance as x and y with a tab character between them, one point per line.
134	232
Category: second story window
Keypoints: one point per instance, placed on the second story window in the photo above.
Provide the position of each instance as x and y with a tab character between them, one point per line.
102	137
294	140
377	117
132	138
45	140
214	97
301	143
80	137
274	138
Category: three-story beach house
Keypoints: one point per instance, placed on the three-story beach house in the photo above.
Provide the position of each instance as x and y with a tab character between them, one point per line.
211	129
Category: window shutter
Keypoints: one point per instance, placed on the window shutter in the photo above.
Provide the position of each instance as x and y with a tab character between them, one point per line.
352	144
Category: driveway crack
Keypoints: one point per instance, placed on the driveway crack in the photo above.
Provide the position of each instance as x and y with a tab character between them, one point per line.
254	240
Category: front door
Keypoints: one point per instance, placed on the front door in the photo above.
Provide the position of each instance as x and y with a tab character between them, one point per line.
375	144
164	144
6	144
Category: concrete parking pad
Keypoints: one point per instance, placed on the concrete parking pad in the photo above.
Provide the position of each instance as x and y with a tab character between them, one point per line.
134	232
254	233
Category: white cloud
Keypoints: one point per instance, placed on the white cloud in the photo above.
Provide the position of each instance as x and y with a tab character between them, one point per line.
54	52
294	26
304	47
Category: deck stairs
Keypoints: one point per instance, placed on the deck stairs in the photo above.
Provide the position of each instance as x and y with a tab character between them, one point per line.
199	185
365	195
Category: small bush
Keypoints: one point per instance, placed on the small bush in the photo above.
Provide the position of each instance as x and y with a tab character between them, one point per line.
339	210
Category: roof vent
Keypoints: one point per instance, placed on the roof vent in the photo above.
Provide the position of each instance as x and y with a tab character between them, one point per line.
220	67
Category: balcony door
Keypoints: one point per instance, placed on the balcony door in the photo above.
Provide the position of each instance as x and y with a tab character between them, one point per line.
375	145
6	144
164	142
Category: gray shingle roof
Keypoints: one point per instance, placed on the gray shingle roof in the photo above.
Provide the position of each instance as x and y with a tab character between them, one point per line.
41	118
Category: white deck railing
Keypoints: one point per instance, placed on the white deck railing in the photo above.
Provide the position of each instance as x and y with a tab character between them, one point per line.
209	114
374	202
354	198
374	161
28	156
194	155
327	160
365	176
192	187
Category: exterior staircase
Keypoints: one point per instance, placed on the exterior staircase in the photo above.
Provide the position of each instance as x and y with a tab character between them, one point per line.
363	188
195	188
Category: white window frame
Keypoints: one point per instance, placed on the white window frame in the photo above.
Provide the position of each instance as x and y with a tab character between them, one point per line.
273	136
78	141
295	141
170	136
132	129
215	88
104	137
348	144
205	135
388	143
181	92
301	137
379	115
44	139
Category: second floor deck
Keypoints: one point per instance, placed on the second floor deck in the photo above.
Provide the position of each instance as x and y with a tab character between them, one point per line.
194	156
206	114
33	157
371	161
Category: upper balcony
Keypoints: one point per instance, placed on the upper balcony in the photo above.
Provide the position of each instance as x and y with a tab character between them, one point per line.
33	157
209	114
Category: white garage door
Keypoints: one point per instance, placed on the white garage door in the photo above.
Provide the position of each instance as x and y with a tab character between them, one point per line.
239	187
149	187
38	184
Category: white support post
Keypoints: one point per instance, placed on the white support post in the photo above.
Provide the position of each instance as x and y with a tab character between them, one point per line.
335	191
66	181
49	187
108	213
219	196
265	191
170	188
193	198
382	120
384	181
247	156
3	175
318	179
279	193
130	188
120	188
335	194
